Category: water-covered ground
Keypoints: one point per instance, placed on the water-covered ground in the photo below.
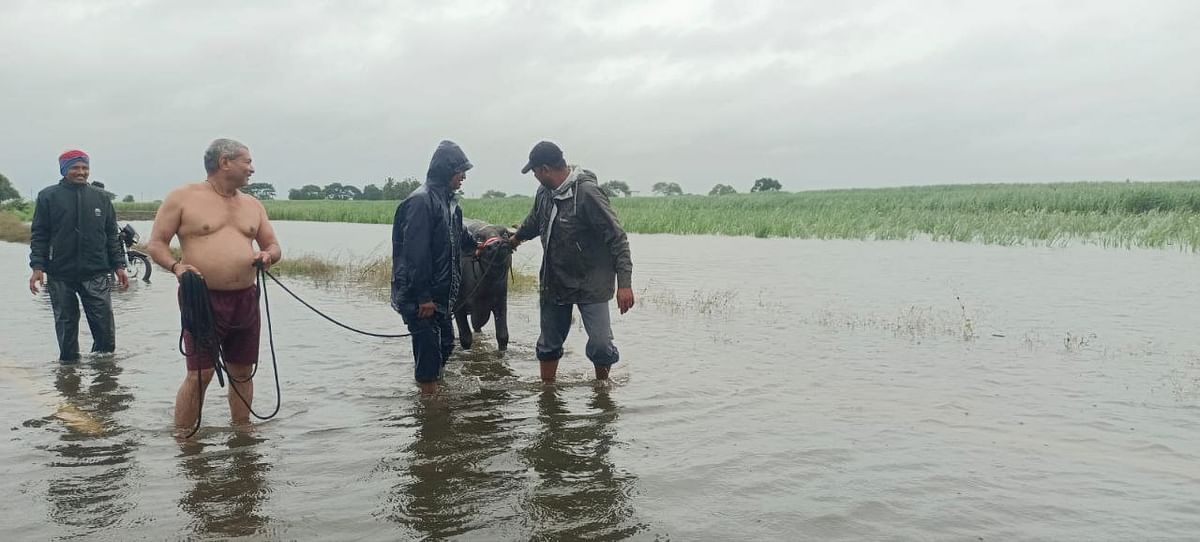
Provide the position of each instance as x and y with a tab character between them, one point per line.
769	389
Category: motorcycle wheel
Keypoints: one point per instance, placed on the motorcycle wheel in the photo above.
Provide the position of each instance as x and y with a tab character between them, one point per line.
139	265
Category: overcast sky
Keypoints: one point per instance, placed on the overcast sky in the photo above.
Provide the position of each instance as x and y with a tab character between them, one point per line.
817	94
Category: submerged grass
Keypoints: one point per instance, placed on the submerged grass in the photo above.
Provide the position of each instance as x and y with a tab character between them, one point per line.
370	272
1121	214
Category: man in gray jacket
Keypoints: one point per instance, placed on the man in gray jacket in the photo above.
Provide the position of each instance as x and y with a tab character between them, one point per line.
585	251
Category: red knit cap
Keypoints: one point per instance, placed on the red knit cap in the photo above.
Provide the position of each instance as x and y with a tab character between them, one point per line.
67	159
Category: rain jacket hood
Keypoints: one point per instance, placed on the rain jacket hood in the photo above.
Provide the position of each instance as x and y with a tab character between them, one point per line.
447	160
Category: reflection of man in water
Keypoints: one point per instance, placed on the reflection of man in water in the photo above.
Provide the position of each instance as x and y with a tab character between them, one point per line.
89	488
457	474
230	488
218	226
579	494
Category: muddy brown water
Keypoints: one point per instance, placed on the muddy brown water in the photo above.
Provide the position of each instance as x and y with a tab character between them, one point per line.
769	389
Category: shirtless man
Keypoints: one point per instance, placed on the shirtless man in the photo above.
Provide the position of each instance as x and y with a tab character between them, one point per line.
218	226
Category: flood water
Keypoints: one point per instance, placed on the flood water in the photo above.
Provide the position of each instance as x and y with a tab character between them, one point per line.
769	389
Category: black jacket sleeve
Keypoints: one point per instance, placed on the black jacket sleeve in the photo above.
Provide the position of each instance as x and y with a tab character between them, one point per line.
603	220
39	238
417	254
530	227
468	242
116	249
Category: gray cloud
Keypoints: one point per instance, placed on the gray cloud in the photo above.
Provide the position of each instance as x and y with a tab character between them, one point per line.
814	94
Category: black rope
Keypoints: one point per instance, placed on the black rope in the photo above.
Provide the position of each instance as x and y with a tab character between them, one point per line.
262	272
196	318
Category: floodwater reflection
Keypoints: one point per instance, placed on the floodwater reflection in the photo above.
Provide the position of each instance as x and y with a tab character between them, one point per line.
456	475
229	486
91	488
579	493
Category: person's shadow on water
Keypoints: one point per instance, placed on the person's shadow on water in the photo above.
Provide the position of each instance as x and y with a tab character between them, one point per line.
89	487
579	494
229	485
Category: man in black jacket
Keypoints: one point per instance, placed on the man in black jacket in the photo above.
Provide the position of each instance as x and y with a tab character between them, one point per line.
427	240
584	251
74	239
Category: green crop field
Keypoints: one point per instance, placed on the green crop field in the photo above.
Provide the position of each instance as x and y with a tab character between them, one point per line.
1156	214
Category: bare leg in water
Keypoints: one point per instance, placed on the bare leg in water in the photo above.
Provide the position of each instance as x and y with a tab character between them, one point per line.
242	399
188	400
549	371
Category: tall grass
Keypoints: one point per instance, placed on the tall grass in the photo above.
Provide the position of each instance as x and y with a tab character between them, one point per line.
1119	214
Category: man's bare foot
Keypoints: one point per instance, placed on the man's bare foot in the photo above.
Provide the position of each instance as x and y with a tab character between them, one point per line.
243	428
549	371
428	388
602	372
185	434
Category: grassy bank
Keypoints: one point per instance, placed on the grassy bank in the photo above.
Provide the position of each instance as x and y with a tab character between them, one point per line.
1118	214
12	229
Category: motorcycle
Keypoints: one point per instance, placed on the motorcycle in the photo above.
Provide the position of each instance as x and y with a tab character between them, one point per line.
139	262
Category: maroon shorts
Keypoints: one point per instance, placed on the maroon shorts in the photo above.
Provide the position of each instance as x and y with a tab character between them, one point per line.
236	318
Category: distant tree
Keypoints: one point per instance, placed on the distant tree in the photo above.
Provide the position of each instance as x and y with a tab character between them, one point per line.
667	189
128	198
262	191
615	187
396	190
7	191
490	194
766	184
722	190
306	192
372	192
340	192
511	196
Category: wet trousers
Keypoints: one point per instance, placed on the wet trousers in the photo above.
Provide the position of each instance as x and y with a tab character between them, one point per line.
432	342
95	294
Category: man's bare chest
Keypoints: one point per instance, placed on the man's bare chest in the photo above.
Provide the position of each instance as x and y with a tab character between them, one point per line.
206	220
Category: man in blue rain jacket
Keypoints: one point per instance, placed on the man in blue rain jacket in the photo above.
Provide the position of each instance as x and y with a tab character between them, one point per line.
427	243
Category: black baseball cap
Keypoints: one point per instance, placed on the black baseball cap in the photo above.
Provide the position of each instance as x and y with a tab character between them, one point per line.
544	153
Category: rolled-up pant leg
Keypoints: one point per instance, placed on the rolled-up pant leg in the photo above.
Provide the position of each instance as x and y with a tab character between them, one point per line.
598	324
96	296
66	317
555	326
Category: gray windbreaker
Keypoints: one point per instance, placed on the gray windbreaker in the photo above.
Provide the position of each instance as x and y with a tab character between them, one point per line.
585	247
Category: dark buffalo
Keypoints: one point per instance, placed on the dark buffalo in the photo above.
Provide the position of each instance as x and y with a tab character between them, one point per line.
484	289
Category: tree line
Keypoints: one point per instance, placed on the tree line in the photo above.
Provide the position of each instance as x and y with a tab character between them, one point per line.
398	190
764	184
